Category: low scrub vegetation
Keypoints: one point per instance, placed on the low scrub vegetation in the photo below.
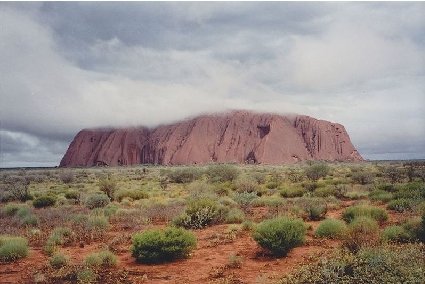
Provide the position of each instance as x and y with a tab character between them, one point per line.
12	248
331	228
356	209
280	235
372	212
157	246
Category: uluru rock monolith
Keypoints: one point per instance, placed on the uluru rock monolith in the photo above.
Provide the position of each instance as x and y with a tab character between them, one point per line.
233	137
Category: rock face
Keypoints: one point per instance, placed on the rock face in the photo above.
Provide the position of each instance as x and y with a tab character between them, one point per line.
239	136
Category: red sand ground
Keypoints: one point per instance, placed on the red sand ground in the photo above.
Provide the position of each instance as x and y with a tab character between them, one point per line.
206	264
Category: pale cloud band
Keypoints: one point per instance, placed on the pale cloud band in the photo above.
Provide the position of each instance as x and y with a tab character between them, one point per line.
67	66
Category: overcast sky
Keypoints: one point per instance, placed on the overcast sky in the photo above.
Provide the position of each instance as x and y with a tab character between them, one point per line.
68	66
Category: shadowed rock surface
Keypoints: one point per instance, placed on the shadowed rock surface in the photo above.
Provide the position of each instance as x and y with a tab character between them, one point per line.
238	136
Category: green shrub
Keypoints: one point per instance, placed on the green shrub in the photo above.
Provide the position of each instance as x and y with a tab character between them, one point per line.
11	209
381	195
97	223
157	246
290	192
280	235
310	186
222	173
396	234
86	275
317	171
59	236
23	212
97	201
29	220
315	209
247	184
199	214
245	199
44	201
272	185
362	231
331	228
386	187
375	213
325	191
400	205
184	175
235	215
12	248
130	193
72	195
101	259
383	264
362	177
58	260
108	186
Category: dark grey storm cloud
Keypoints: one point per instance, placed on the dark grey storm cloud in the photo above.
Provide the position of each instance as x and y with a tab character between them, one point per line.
67	66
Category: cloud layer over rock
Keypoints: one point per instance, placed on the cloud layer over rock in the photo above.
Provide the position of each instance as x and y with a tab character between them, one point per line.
67	66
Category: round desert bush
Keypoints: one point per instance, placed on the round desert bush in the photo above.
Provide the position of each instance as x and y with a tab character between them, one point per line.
314	208
400	205
97	201
235	215
362	231
199	214
222	173
162	245
362	177
104	258
12	248
280	235
86	275
290	192
58	260
72	195
29	220
381	195
44	201
272	184
23	212
130	193
184	175
375	213
317	171
331	228
10	209
396	234
246	184
97	223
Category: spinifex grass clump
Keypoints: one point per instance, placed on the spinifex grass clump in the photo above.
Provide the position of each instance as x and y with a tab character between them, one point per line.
280	235
12	248
157	246
396	234
375	213
331	228
362	232
58	260
104	258
200	213
44	201
382	264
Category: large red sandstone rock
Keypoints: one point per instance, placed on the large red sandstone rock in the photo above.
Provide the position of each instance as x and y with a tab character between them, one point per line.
239	136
